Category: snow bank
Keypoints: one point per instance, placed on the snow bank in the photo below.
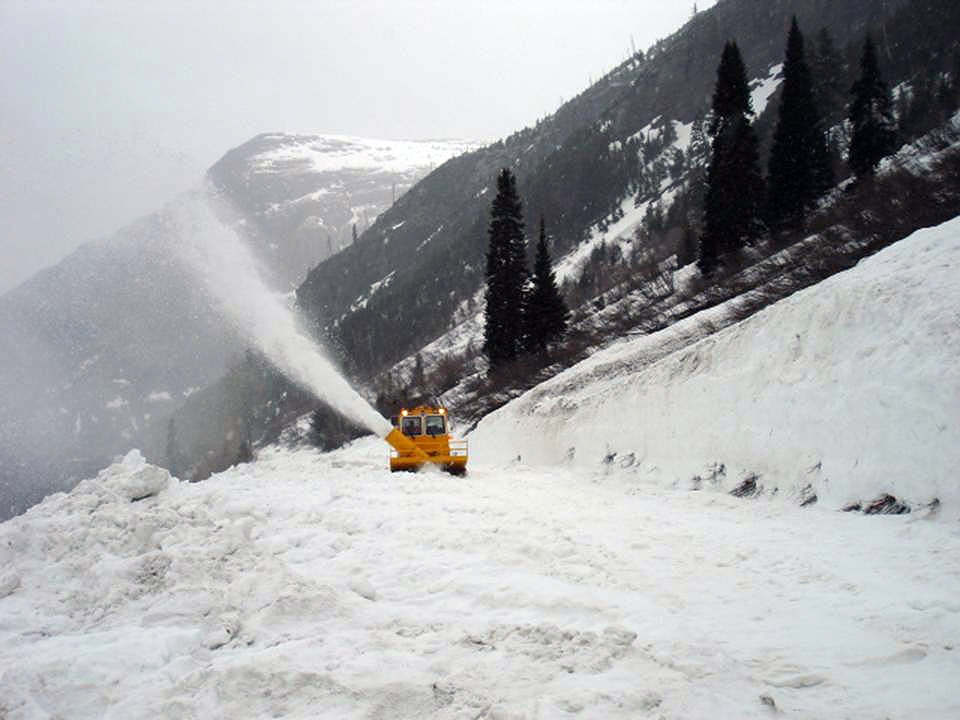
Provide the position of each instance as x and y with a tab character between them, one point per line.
848	389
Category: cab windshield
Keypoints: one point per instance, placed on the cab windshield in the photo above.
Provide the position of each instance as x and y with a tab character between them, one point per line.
411	425
435	425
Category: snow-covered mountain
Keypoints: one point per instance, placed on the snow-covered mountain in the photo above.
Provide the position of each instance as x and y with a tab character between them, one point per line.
606	581
302	197
101	347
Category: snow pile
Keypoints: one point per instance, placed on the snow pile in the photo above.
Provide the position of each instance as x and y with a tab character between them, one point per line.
131	479
322	586
846	390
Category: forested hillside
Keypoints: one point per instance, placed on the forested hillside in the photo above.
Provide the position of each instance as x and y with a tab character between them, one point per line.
400	285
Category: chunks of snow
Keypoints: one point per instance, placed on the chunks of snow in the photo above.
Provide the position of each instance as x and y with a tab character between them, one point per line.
132	478
9	582
362	587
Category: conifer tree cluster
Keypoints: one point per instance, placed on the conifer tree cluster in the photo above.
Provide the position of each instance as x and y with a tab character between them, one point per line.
523	313
738	206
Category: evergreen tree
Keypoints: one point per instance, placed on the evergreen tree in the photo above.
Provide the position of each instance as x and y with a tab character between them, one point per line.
732	205
873	133
419	379
698	151
546	313
827	70
799	168
506	275
829	75
691	224
731	96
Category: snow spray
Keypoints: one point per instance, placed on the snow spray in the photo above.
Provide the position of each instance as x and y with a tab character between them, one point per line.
218	255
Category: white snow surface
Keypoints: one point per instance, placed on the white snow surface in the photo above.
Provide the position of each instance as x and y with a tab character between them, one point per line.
848	389
328	153
762	89
320	586
308	585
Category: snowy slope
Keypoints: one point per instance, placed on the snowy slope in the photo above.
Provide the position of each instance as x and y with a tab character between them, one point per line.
848	389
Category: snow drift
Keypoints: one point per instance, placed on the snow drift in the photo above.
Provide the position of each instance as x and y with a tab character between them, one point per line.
847	390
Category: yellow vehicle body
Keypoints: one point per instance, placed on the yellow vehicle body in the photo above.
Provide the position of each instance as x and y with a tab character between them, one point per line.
421	437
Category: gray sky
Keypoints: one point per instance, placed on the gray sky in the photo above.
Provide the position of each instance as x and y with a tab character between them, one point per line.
108	109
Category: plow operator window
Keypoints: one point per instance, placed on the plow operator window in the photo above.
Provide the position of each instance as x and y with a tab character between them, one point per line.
411	425
435	425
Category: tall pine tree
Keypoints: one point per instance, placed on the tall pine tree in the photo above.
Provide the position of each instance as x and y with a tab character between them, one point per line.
546	312
732	206
799	170
507	276
698	159
873	135
827	72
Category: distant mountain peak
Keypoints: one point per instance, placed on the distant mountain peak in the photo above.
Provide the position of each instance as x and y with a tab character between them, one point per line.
282	152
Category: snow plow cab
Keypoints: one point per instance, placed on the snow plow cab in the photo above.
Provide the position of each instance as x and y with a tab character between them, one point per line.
421	436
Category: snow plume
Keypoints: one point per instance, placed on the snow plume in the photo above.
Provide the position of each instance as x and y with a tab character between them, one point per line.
227	267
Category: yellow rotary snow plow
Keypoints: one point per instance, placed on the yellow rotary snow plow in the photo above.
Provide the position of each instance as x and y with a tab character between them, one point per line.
421	436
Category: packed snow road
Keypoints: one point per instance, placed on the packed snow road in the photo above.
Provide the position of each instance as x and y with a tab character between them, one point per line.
321	586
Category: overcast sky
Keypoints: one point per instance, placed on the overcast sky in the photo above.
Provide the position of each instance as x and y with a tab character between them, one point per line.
108	109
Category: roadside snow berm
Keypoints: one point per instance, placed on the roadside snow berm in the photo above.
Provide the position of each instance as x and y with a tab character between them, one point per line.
421	436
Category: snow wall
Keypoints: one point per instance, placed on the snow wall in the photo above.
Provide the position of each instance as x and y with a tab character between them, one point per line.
848	389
